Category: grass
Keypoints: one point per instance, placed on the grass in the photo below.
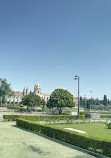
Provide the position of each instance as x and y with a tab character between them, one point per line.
94	129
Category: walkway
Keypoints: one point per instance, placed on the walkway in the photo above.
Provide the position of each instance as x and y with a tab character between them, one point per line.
18	143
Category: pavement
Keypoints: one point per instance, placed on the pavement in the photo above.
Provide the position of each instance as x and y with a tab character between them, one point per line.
19	143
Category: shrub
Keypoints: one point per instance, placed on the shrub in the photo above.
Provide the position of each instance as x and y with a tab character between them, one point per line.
82	112
86	142
13	107
106	116
45	118
109	125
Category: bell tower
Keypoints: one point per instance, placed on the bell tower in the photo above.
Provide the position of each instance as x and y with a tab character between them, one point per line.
24	92
37	88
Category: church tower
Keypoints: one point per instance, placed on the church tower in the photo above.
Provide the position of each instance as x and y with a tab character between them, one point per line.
27	91
24	92
37	89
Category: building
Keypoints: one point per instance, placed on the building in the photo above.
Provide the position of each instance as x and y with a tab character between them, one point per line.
17	97
37	91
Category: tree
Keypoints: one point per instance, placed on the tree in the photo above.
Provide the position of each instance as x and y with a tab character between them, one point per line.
97	102
81	102
108	102
88	103
105	100
4	89
60	98
43	103
31	100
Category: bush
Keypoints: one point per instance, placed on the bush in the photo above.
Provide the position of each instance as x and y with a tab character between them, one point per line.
86	142
45	118
82	112
65	113
109	125
13	107
106	116
105	112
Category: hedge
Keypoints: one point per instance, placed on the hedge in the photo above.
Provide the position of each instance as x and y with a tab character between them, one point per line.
44	118
13	107
93	144
105	112
106	116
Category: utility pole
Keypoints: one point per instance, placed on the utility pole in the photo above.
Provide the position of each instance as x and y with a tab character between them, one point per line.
77	78
84	101
91	99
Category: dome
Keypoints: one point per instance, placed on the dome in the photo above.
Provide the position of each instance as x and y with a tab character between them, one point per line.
37	85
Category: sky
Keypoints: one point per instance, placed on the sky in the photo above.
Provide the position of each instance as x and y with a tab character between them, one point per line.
51	41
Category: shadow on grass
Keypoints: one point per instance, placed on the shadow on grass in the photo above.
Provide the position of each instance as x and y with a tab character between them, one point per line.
64	144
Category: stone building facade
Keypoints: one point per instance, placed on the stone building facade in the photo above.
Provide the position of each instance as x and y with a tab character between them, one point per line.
37	91
17	97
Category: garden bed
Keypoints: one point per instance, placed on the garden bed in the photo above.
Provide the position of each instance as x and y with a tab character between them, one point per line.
99	145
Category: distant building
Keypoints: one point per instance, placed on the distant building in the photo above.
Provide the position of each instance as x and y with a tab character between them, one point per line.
16	98
25	91
75	99
37	91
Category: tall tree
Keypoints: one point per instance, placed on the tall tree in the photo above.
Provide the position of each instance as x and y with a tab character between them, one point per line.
108	102
105	102
60	98
97	102
43	103
88	103
4	89
81	101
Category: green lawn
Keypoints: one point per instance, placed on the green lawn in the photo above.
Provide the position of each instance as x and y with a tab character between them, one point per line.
94	129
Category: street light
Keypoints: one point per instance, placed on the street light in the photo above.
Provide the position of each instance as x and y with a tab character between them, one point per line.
77	78
84	101
91	99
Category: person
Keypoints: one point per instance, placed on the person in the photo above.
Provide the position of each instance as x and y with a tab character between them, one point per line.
60	111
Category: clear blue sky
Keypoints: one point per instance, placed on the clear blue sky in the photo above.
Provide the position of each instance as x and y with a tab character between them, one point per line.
50	41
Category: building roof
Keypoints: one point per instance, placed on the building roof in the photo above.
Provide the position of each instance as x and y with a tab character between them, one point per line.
75	100
18	93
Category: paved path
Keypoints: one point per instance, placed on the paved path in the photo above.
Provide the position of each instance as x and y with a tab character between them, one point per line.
18	143
1	117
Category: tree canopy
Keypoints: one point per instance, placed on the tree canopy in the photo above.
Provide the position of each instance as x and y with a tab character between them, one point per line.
4	90
4	87
95	103
31	100
60	98
105	102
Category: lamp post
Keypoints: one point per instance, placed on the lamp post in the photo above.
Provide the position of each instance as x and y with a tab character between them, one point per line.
77	78
91	99
84	101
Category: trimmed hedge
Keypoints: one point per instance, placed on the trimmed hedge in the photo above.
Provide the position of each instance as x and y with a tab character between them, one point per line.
13	107
80	140
105	112
45	118
105	116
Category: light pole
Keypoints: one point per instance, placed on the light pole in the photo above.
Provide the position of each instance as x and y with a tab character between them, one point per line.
91	99
77	78
84	101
